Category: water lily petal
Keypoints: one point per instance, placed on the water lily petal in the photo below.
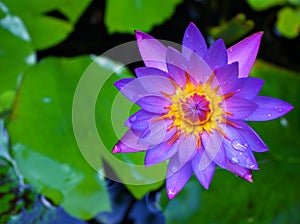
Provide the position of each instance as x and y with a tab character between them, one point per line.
155	133
193	41
213	147
129	143
239	108
198	68
204	173
251	137
216	56
160	153
268	109
187	148
152	51
239	170
226	77
176	65
154	104
248	87
245	53
145	71
176	181
140	120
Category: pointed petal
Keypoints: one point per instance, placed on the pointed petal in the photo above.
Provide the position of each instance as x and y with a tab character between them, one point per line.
268	108
193	41
213	146
176	65
129	143
176	181
136	88
154	104
198	68
237	148
251	137
145	71
140	120
245	53
155	134
248	87
216	56
160	153
240	171
152	51
226	77
203	168
240	108
187	148
120	84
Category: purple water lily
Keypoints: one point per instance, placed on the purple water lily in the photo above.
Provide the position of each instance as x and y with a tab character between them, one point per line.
194	105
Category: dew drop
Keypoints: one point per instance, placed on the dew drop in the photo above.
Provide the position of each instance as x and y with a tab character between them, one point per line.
269	115
187	36
132	118
239	146
174	169
47	99
284	122
234	160
279	110
230	50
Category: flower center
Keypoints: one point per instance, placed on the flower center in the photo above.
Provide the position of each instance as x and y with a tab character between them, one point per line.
196	109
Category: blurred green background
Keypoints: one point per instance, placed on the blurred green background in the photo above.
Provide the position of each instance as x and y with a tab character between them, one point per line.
45	48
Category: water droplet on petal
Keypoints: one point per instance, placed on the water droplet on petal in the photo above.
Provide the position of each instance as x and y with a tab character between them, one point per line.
234	160
239	146
132	118
269	115
187	36
174	169
230	50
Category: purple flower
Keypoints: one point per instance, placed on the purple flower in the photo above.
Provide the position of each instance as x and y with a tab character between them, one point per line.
194	105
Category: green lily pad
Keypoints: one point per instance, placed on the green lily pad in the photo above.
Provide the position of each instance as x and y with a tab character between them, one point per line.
127	16
41	133
41	25
287	23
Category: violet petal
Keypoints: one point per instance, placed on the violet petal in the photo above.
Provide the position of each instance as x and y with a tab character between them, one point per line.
160	153
203	168
216	56
244	52
240	108
251	137
226	77
135	89
239	170
213	146
248	87
193	41
187	148
155	134
176	181
129	143
154	104
176	65
152	51
198	68
268	109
